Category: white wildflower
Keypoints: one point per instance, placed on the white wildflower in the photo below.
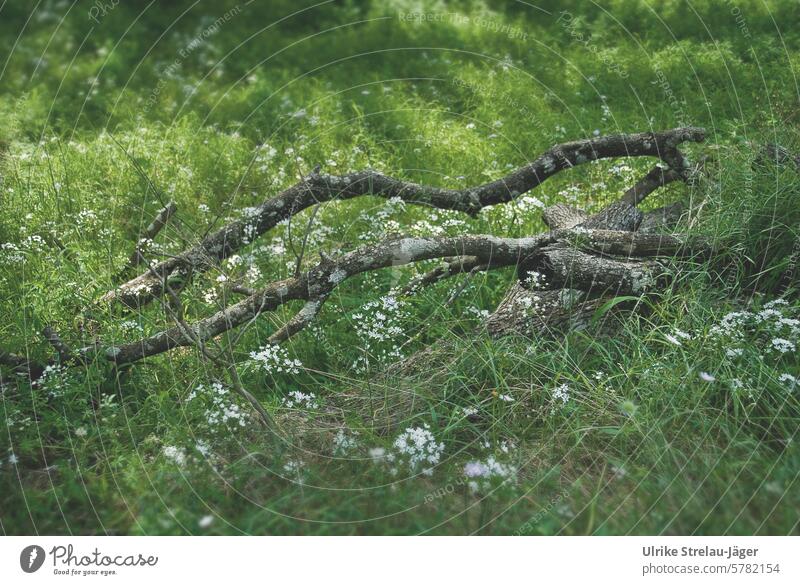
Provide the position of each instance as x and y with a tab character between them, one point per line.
274	358
482	473
175	454
343	443
298	399
418	448
783	345
561	393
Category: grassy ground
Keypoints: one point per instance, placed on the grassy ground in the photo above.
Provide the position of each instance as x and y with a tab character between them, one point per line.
682	419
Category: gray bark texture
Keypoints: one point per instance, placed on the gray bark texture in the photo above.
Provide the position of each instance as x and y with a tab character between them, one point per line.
319	187
564	274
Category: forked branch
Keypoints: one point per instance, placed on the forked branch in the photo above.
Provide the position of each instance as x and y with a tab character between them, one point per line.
319	187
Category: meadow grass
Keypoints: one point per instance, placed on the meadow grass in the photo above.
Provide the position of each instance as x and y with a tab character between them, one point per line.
677	418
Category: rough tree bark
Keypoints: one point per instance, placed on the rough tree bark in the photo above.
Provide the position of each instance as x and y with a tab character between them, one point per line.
580	284
583	258
319	187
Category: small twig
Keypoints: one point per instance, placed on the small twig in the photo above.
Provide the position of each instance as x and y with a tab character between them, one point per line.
453	267
299	264
65	354
149	234
462	287
230	368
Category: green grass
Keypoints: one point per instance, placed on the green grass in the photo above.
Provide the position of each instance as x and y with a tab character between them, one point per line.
102	122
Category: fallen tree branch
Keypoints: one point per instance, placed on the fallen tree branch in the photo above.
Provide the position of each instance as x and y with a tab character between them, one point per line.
318	282
317	188
300	321
568	268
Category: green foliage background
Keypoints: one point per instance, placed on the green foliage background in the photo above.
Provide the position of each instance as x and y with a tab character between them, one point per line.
107	111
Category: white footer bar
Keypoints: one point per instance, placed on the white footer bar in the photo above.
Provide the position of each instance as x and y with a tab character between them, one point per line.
379	560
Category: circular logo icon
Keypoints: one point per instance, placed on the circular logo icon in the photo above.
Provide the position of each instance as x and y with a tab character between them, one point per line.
31	558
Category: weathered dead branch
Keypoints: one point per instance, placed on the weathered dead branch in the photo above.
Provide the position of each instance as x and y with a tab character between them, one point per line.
319	187
582	259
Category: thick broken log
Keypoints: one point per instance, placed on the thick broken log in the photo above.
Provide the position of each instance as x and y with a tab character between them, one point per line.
319	187
531	312
562	267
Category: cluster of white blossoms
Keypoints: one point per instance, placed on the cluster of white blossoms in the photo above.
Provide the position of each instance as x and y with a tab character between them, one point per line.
514	212
418	449
572	193
53	380
530	304
561	394
678	337
378	326
345	442
175	454
478	313
275	359
17	253
236	270
493	469
536	281
783	345
300	400
770	322
131	326
620	170
482	474
773	332
731	324
441	227
293	469
222	411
